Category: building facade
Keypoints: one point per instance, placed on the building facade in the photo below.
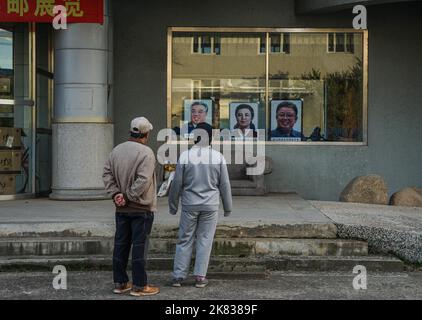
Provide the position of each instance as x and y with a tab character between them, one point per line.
80	88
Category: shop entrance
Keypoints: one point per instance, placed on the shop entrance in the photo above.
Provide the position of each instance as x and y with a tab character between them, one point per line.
25	110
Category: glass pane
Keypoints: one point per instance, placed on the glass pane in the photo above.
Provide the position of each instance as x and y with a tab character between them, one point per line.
16	153
331	42
210	88
314	95
339	42
206	44
44	85
217	45
15	111
196	44
275	43
6	64
44	77
21	62
263	44
350	45
286	42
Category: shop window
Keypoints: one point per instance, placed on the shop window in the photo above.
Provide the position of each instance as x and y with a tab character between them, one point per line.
341	42
308	95
6	68
16	111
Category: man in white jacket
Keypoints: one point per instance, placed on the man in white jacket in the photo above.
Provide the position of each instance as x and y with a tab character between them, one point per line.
201	178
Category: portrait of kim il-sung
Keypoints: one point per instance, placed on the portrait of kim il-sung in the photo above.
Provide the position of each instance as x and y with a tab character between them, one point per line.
195	112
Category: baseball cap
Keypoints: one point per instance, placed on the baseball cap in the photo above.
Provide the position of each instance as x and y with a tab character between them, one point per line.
140	125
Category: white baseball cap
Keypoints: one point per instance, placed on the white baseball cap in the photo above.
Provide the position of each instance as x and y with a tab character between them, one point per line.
140	125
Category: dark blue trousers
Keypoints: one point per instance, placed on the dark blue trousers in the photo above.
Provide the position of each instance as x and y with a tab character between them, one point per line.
132	230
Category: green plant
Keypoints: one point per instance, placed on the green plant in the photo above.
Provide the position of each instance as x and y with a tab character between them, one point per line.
344	103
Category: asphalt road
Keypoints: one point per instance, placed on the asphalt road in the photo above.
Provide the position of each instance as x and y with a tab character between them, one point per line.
280	286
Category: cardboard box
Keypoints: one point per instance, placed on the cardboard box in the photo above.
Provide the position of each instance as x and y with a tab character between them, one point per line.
10	160
7	184
10	137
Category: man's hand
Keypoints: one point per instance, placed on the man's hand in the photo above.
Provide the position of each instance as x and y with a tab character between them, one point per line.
119	200
227	213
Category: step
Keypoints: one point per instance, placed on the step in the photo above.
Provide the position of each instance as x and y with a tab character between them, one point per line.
244	229
217	264
273	246
222	247
277	229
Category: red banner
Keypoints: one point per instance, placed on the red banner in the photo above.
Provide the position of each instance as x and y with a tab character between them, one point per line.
84	11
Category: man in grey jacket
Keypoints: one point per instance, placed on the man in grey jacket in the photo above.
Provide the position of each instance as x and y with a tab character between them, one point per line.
129	179
201	178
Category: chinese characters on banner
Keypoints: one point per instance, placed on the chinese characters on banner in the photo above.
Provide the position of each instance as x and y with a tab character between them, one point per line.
84	11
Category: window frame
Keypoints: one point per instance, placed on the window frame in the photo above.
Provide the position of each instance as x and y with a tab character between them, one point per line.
346	44
29	101
267	32
212	43
282	43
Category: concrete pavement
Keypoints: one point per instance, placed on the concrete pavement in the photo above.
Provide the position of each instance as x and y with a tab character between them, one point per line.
279	286
283	208
293	217
387	229
277	223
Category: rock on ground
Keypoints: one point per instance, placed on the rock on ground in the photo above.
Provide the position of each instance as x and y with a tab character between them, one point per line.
370	189
409	197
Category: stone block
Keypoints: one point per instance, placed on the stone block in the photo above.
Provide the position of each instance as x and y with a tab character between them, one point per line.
408	197
370	189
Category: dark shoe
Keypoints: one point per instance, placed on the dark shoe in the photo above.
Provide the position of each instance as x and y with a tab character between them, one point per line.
120	288
145	291
177	282
201	282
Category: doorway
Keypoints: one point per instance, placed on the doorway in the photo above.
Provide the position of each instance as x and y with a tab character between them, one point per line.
26	78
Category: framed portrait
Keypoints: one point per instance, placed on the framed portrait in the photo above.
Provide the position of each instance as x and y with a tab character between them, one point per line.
202	111
243	120
194	112
286	120
249	110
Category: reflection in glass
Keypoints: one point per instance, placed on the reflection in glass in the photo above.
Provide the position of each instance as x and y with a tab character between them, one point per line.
206	44
339	42
331	42
6	64
16	111
323	71
286	42
275	43
234	74
329	84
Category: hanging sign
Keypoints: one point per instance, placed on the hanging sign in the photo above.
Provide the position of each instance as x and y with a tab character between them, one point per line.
83	11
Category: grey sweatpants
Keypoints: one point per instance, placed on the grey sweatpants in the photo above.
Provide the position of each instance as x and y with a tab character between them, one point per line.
199	224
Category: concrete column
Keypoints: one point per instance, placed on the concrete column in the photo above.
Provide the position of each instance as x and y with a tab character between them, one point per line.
82	121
